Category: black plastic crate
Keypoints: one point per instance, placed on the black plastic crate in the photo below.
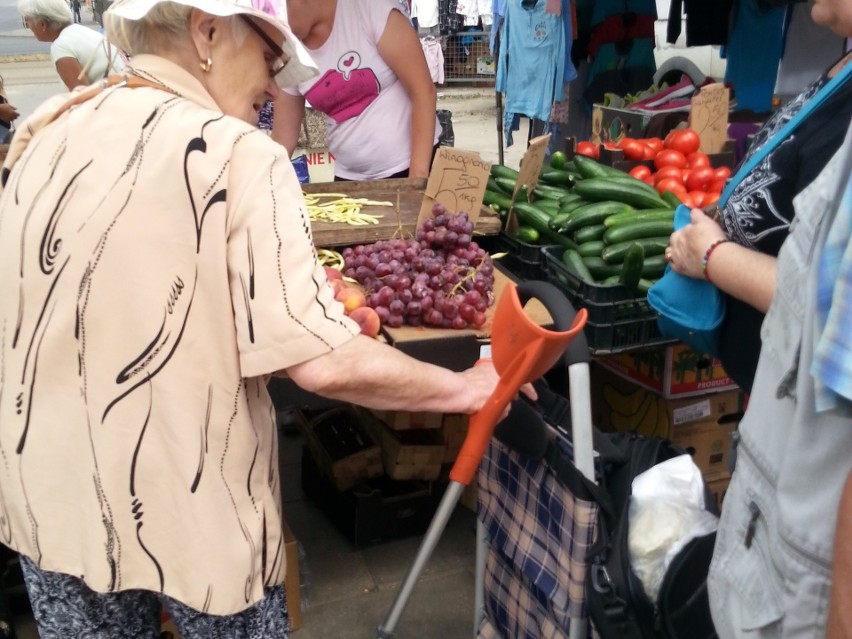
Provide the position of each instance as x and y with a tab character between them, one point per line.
522	259
617	320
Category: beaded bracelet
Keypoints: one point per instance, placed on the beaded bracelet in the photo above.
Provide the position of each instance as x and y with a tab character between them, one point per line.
707	255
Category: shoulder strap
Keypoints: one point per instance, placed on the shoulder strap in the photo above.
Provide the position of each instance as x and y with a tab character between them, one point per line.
822	95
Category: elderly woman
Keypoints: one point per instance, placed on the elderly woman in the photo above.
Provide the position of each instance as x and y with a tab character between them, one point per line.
80	54
148	289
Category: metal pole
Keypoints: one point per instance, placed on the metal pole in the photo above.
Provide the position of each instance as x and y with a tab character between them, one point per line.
499	97
479	584
427	546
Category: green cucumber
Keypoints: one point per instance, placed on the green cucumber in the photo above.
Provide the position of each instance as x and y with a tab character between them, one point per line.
671	199
498	170
588	168
543	190
654	267
589	233
556	177
531	215
641	288
504	202
575	263
602	189
591	249
507	185
632	181
599	269
615	253
638	230
592	214
526	234
559	220
493	186
631	270
548	206
645	215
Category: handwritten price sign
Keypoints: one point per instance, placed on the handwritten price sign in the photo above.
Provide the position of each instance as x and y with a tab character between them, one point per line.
709	117
457	180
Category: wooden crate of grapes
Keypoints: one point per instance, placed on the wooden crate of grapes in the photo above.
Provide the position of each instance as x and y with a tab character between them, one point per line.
405	196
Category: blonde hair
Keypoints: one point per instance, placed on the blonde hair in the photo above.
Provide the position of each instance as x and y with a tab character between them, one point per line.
164	28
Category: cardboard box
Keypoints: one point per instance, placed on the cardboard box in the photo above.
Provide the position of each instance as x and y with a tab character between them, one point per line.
292	583
404	420
453	431
676	371
342	447
485	65
407	454
701	424
611	125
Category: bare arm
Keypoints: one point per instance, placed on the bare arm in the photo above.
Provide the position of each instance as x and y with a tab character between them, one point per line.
287	120
369	373
69	70
840	613
400	48
741	272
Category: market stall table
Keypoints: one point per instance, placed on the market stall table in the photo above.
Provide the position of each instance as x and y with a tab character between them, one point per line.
405	196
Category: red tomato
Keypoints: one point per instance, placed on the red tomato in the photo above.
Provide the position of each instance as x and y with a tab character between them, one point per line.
697	197
684	140
588	149
650	152
710	198
610	145
686	198
697	159
669	172
723	173
670	157
670	184
699	179
640	172
654	143
649	180
716	186
633	149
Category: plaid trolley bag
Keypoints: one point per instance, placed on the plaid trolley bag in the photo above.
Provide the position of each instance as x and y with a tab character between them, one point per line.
556	563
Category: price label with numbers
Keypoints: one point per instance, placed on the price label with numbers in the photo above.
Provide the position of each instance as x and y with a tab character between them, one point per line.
457	180
709	117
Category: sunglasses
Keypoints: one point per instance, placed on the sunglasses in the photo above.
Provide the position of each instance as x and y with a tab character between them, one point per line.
282	59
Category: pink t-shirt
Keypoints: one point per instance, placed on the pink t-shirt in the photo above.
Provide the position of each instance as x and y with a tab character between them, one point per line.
368	111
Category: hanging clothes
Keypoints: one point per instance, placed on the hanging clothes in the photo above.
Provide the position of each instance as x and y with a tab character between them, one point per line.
426	13
754	53
706	22
531	63
434	58
620	68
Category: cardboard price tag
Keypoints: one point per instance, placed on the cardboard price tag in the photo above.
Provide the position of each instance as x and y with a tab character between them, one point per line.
457	180
531	164
708	117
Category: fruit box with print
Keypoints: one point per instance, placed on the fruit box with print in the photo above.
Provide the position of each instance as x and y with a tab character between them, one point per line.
676	371
701	424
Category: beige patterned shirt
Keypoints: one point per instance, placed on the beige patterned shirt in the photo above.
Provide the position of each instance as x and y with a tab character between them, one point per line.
156	262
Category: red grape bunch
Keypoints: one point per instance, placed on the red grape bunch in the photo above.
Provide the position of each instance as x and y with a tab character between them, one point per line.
440	278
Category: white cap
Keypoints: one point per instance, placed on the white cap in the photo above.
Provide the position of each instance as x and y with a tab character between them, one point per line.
274	12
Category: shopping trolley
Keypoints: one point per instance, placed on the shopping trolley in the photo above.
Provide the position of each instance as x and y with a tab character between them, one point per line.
522	351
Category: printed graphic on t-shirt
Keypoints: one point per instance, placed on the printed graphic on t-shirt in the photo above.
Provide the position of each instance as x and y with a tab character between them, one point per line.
345	92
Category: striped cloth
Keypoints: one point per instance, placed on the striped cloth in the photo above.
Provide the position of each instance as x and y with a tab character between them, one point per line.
543	532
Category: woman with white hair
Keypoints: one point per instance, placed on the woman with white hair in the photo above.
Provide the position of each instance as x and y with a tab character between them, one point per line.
81	54
156	267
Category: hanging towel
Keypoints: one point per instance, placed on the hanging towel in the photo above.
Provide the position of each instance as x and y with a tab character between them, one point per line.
434	58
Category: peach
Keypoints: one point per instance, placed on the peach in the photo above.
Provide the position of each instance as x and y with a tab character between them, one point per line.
351	298
333	274
336	286
367	319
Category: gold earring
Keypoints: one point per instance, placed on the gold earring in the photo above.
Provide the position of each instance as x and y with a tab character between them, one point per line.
206	64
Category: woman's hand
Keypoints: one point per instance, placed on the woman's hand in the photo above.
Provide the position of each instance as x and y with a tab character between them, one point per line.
8	112
688	246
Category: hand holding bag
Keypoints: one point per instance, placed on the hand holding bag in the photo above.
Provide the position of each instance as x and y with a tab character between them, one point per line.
690	309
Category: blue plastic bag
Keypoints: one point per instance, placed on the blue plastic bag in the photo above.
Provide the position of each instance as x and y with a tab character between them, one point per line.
690	309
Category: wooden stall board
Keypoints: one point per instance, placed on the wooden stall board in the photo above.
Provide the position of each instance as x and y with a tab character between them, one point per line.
406	197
